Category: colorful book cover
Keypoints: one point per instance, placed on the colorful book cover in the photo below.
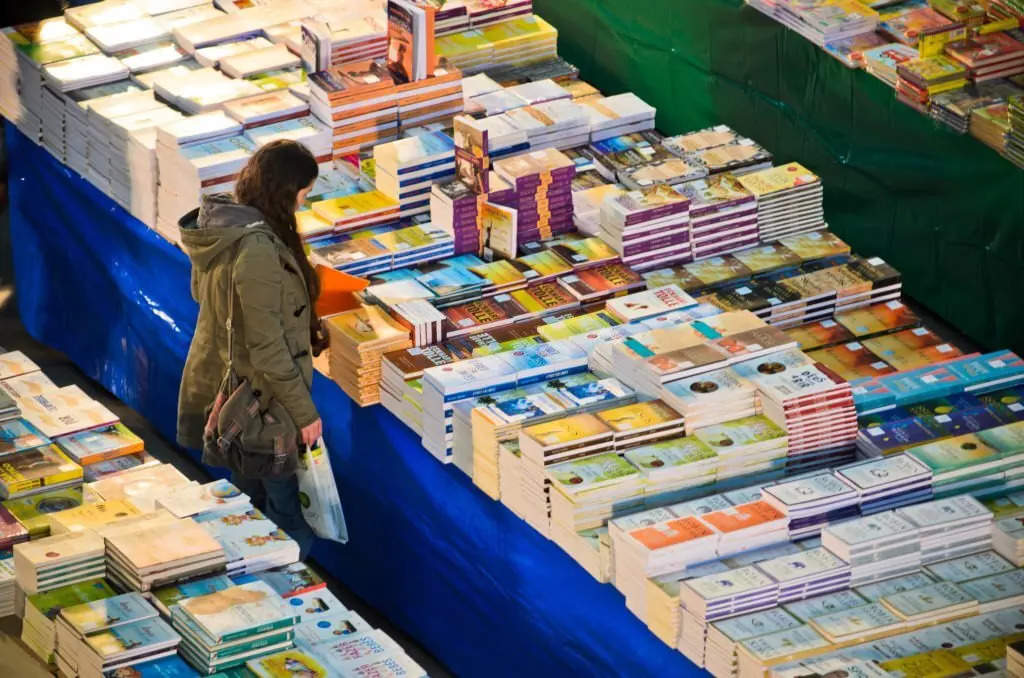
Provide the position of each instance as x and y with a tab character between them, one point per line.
739	433
776	179
287	664
560	432
107	442
671	533
944	456
715	270
639	416
579	475
878	319
175	593
820	334
292	580
742	517
51	602
33	511
102	614
674	453
543	298
119	640
851	360
18	435
35	468
238	611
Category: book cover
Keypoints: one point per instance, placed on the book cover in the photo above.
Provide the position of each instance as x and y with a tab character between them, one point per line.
35	468
19	435
51	602
238	611
568	430
132	638
673	453
671	533
639	416
101	444
579	475
288	664
739	433
878	319
102	614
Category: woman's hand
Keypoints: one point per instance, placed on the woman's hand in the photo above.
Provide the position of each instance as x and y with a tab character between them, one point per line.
312	433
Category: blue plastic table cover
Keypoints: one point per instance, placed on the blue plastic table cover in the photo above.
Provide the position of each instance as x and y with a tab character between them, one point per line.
474	584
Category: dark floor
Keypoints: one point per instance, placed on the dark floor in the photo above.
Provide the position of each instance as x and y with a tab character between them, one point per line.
13	337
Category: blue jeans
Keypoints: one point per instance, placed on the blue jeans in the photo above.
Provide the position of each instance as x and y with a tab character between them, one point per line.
278	498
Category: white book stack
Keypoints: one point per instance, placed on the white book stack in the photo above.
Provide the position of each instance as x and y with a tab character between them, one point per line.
245	64
151	555
101	13
180	179
50	563
251	542
617	115
266	108
711	398
211	56
133	165
76	119
723	637
877	547
406	169
117	37
52	120
444	385
85	71
152	57
950	527
224	28
504	137
723	215
305	130
98	115
8	587
203	90
1008	539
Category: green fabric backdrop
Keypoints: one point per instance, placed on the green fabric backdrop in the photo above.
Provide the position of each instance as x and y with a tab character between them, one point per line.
946	210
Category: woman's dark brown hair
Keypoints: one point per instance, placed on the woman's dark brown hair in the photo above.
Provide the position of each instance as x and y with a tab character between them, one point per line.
271	182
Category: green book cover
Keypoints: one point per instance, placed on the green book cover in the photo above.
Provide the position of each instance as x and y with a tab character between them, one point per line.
52	602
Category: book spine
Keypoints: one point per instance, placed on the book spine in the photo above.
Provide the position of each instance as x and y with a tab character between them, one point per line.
263	628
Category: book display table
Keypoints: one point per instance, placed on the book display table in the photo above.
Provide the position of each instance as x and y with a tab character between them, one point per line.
98	285
942	208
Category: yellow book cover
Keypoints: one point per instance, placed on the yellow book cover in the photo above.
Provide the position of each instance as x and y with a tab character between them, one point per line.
718	269
289	664
501	272
309	223
928	665
581	324
47	465
457	44
775	179
366	325
351	207
89	516
167	543
566	430
639	416
815	245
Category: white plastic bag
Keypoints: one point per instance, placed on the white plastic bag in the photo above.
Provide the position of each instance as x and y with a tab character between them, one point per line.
318	494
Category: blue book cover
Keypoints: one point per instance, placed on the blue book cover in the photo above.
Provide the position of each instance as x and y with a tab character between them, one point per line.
18	435
168	667
999	365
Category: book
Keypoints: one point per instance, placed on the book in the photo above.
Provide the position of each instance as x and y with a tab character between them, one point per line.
18	435
101	444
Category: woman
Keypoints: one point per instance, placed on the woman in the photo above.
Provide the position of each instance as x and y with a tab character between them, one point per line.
249	242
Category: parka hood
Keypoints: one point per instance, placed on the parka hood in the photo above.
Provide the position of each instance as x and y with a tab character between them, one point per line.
216	225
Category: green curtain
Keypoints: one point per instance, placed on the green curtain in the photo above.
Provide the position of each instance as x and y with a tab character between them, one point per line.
944	209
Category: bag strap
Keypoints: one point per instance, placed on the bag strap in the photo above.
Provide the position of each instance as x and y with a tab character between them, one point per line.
230	323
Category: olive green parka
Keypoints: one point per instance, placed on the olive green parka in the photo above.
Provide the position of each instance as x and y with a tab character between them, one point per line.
271	320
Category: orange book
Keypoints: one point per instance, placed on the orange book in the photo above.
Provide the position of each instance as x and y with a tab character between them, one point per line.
742	516
337	291
671	533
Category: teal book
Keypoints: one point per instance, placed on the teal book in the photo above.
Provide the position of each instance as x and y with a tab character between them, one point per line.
172	594
238	612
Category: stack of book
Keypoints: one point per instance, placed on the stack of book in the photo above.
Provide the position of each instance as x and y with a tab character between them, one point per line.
987	460
723	215
478	428
788	200
358	340
357	210
400	386
38	629
32	512
618	115
728	143
1015	141
8	585
543	203
110	635
139	486
949	528
407	169
90	516
11	531
820	22
30	471
728	594
648	228
954	108
812	502
100	444
877	547
1008	539
144	556
813	405
991	126
226	628
358	102
433	100
589	490
939	602
751	449
723	637
888	483
920	79
250	541
57	561
807	574
63	411
989	56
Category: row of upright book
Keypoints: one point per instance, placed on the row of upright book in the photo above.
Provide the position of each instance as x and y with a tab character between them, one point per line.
962	63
